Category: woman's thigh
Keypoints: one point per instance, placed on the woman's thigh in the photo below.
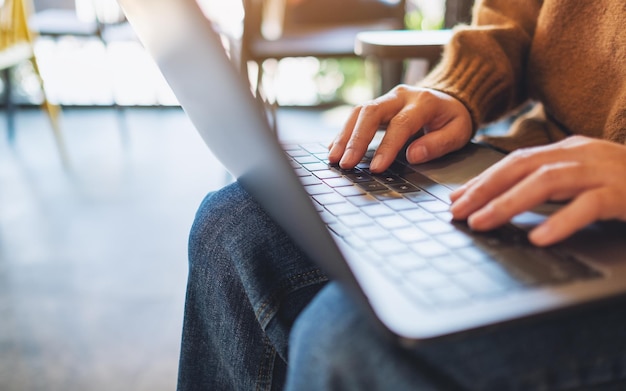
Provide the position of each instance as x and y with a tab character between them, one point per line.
334	346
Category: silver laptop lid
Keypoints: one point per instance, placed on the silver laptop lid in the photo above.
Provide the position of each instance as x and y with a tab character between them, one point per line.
230	120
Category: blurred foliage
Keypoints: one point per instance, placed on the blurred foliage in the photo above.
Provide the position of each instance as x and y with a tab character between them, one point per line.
413	20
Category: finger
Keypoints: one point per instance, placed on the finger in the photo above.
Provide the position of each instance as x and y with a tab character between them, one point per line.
459	191
530	192
451	137
369	119
401	127
562	150
588	207
503	175
338	145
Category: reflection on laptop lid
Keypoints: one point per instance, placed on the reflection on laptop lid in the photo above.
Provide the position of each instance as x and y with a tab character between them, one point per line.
388	237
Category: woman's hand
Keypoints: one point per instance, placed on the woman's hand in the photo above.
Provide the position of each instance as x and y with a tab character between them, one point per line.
446	122
589	172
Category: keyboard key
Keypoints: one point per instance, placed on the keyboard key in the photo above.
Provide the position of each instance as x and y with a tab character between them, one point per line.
315	166
356	220
306	159
326	174
404	188
392	222
371	186
358	177
309	180
455	240
388	178
435	227
315	148
449	264
429	248
362	200
387	196
370	232
435	206
387	246
297	152
339	229
409	234
340	182
356	243
406	261
342	209
432	187
327	217
377	210
472	254
426	279
318	189
417	215
444	216
400	204
330	198
301	172
420	196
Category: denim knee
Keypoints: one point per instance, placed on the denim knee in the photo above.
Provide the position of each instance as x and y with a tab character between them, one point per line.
218	209
334	345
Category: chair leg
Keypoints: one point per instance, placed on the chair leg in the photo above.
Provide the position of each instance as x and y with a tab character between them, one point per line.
54	113
391	74
270	105
10	106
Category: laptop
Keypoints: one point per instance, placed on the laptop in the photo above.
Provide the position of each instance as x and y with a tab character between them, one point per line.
388	238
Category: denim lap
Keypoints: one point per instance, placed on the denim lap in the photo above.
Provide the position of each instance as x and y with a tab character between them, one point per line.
247	283
334	346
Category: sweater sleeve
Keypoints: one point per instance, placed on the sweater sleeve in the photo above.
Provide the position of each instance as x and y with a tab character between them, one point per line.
484	64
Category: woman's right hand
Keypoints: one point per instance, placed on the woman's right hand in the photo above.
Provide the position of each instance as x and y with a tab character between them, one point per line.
406	110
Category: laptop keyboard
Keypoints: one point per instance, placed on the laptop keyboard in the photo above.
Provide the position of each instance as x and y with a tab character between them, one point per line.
399	221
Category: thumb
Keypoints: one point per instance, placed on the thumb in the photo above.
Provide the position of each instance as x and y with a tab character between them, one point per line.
437	143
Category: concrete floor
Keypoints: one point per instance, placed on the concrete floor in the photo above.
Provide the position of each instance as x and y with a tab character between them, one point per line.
93	259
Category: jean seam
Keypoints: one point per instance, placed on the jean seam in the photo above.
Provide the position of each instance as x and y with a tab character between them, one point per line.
286	287
264	381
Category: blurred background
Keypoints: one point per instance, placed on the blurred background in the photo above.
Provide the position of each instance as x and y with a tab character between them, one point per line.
94	218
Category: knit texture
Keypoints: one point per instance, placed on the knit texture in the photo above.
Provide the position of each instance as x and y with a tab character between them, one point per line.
568	56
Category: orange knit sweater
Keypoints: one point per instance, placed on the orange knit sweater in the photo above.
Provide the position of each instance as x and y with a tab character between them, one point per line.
568	56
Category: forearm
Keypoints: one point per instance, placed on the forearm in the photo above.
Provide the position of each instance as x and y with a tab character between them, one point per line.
483	65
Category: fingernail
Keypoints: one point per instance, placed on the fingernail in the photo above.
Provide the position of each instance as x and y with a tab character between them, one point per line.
417	154
455	195
480	220
348	156
376	163
541	235
333	155
457	208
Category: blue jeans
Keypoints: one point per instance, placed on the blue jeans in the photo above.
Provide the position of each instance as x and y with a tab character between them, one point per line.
260	316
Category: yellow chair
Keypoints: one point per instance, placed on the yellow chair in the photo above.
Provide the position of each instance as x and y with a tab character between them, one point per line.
16	46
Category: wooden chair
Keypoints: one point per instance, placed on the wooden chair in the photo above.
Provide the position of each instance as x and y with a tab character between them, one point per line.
16	46
317	33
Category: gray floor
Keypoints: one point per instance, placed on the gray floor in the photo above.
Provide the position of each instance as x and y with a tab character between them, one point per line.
93	260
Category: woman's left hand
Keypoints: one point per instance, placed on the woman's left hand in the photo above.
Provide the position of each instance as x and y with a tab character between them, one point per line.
589	172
